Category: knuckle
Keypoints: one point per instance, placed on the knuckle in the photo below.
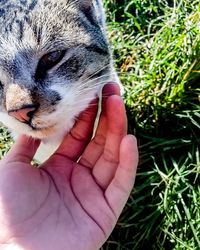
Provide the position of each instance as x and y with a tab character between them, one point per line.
86	163
109	156
99	140
77	136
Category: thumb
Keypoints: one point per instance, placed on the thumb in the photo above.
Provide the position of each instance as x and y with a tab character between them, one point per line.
23	150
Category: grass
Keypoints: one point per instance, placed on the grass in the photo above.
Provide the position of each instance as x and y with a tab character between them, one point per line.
5	141
156	45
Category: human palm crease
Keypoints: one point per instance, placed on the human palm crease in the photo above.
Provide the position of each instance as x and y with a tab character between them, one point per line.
77	195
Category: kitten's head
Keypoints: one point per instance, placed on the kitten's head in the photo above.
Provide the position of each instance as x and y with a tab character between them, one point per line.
53	59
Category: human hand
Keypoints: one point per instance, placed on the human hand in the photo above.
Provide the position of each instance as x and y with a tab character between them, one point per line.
73	201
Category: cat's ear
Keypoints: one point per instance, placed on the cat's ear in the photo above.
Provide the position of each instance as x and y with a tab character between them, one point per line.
95	9
85	4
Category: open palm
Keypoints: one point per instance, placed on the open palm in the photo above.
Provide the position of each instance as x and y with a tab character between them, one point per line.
73	201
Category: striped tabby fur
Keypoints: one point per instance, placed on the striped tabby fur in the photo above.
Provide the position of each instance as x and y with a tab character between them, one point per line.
31	33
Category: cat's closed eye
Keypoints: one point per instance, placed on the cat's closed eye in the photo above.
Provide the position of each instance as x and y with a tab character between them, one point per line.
48	61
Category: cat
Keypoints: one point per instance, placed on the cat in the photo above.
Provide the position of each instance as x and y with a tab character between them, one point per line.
54	59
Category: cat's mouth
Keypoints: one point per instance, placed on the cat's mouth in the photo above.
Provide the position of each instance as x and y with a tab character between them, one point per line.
42	132
36	128
40	127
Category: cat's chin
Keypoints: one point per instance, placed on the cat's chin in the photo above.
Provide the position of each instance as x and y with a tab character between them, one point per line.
44	134
48	134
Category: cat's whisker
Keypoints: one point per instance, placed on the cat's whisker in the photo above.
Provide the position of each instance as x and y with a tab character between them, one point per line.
99	77
95	80
98	71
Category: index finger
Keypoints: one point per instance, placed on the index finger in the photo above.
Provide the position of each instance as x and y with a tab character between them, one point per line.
76	141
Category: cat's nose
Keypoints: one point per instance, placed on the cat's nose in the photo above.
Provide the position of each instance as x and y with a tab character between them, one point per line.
25	113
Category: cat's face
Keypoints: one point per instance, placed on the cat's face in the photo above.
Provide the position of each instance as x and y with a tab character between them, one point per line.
53	59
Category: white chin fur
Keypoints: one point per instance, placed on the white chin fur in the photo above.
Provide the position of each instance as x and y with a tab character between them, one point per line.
64	120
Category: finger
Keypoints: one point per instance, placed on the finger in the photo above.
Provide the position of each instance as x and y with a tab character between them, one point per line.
23	150
108	90
96	146
106	165
77	140
120	187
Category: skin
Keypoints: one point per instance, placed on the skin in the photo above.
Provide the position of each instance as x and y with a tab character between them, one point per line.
73	201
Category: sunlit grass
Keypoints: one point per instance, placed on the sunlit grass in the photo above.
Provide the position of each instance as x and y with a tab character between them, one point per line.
5	141
157	52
